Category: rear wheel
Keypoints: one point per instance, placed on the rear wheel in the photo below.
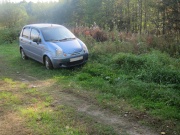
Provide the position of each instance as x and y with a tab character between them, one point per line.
48	63
23	55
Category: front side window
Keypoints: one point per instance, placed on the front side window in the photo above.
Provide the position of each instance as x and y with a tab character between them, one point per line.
34	34
56	33
26	33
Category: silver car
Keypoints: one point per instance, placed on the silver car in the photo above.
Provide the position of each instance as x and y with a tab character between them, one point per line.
53	45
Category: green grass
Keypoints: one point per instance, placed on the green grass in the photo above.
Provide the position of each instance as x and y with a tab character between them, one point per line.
51	122
60	122
148	82
8	98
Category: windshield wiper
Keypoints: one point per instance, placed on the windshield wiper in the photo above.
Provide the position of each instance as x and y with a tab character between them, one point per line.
64	39
52	40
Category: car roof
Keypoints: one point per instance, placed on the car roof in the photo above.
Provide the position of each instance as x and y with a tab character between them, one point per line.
43	25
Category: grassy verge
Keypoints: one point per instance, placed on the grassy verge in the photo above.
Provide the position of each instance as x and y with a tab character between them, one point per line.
145	85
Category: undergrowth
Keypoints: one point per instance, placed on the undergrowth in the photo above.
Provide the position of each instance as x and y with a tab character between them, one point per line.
9	35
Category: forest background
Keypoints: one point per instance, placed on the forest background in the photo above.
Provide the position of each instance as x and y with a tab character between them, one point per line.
160	18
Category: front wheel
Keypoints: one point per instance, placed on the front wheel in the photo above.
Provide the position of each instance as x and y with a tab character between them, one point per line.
23	55
48	63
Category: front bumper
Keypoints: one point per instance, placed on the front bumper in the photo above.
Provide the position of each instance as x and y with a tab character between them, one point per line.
66	62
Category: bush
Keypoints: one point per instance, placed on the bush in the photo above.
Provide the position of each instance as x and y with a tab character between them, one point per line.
155	67
99	35
164	44
8	35
161	68
166	76
138	44
162	76
129	61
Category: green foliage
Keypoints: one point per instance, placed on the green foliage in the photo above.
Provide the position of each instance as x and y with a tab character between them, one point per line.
160	68
9	35
128	61
130	16
124	22
163	76
153	67
8	98
12	15
166	44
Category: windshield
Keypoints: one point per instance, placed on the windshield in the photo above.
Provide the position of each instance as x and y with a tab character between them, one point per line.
56	34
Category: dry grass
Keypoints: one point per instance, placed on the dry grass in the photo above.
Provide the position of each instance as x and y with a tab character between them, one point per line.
140	43
12	124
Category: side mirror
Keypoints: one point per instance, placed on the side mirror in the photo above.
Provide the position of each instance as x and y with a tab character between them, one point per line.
37	40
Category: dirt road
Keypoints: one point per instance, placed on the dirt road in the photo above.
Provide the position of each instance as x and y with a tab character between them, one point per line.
85	106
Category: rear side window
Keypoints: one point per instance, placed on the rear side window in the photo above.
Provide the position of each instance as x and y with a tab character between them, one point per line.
34	34
26	33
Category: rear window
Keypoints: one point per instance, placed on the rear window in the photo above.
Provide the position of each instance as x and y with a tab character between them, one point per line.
26	32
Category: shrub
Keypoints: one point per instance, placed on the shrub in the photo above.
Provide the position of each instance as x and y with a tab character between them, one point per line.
166	76
164	44
162	76
160	68
128	61
96	33
139	44
155	67
103	48
99	36
8	35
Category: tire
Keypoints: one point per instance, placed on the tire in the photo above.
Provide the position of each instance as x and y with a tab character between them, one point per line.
48	63
23	55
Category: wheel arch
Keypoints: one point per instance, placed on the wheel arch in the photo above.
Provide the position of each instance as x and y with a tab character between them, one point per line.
20	49
50	64
44	56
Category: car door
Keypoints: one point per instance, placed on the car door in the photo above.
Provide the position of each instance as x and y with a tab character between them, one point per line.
25	41
36	45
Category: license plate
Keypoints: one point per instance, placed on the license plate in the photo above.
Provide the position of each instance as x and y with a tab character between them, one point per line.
76	59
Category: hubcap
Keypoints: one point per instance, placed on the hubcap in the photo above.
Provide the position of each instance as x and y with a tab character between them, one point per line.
47	64
23	55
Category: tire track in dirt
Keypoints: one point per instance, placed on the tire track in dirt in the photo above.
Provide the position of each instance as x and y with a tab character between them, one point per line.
65	97
120	124
61	97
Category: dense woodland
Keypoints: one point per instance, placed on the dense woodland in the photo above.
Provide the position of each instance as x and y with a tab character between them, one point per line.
137	16
149	17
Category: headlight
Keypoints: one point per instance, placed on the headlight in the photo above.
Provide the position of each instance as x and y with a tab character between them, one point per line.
59	52
85	48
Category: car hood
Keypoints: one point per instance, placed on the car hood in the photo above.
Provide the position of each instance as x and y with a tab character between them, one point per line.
69	46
